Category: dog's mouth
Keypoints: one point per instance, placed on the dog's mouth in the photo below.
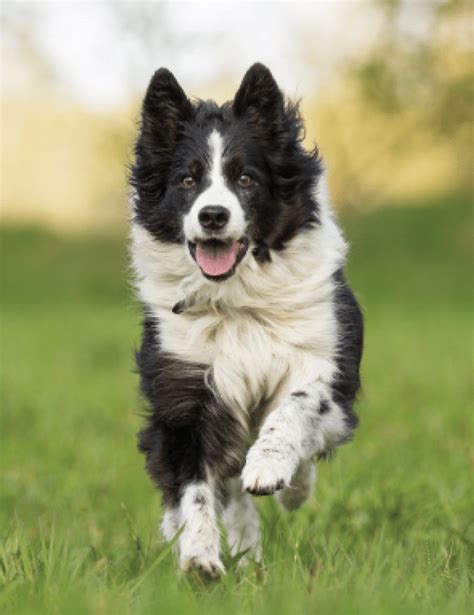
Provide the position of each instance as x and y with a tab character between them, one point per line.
218	258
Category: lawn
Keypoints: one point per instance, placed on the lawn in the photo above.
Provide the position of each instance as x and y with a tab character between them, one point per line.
391	526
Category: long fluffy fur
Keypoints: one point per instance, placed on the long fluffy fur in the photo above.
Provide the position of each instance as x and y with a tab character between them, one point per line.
252	376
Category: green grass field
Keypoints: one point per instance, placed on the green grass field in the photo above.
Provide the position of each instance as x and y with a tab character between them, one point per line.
391	526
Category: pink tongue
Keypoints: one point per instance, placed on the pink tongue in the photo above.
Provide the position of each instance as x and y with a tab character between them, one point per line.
216	261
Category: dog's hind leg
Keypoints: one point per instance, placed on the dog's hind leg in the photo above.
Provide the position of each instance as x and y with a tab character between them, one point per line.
241	520
300	488
170	523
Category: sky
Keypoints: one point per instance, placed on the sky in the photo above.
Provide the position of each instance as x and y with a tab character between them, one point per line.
103	53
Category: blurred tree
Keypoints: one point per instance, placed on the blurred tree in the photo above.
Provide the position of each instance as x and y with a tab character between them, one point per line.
430	70
393	118
398	124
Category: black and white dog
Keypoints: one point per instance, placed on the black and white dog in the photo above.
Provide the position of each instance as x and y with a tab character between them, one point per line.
252	339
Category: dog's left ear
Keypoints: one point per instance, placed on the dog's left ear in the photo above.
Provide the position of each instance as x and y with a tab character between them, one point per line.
258	94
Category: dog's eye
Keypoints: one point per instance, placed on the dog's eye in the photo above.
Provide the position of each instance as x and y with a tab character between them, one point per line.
188	181
245	181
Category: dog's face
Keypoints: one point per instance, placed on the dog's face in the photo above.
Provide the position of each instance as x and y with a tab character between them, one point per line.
229	182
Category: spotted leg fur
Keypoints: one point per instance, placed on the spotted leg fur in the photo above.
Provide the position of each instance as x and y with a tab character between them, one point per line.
307	423
199	541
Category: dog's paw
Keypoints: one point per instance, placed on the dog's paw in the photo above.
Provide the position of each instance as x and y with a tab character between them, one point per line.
264	474
205	567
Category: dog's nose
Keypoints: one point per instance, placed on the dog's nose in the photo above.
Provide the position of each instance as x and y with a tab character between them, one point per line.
213	217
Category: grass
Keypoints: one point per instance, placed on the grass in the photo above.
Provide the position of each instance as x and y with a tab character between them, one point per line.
391	527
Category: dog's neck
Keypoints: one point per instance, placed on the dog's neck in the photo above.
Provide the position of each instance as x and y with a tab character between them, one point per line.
168	279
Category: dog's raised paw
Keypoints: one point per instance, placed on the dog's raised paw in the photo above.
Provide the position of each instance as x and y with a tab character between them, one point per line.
265	476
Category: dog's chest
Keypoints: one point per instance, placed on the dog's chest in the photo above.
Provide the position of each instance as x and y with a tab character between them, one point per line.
251	354
245	357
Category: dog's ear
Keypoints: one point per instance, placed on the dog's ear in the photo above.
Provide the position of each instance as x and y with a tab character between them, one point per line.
165	107
259	96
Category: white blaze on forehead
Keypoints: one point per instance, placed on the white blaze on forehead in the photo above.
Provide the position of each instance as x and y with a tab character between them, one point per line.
218	193
216	147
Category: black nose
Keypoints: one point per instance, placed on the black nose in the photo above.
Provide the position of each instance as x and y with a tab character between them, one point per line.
213	217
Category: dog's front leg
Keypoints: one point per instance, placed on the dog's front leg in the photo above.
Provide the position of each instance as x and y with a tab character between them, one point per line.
178	467
191	443
306	423
189	499
199	541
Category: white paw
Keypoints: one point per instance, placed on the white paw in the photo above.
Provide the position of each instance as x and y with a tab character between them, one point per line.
207	567
263	474
251	552
245	542
199	542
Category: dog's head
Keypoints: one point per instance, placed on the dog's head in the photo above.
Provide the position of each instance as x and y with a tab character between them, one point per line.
227	182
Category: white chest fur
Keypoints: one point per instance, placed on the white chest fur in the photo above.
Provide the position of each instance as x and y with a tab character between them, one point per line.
266	330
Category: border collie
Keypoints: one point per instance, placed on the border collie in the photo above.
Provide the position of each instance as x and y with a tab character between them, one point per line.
252	338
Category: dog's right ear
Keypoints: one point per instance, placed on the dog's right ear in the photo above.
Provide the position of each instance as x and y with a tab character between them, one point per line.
258	93
165	107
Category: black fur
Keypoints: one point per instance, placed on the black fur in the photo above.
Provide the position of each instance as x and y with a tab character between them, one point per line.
299	394
349	351
324	407
188	428
262	135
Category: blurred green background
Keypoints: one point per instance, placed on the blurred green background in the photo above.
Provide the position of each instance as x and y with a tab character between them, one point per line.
387	90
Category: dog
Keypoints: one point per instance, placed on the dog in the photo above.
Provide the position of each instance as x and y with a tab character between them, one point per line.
252	338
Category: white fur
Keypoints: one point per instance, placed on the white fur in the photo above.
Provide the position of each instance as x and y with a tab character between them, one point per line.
241	521
199	542
268	330
293	432
301	486
217	194
170	523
